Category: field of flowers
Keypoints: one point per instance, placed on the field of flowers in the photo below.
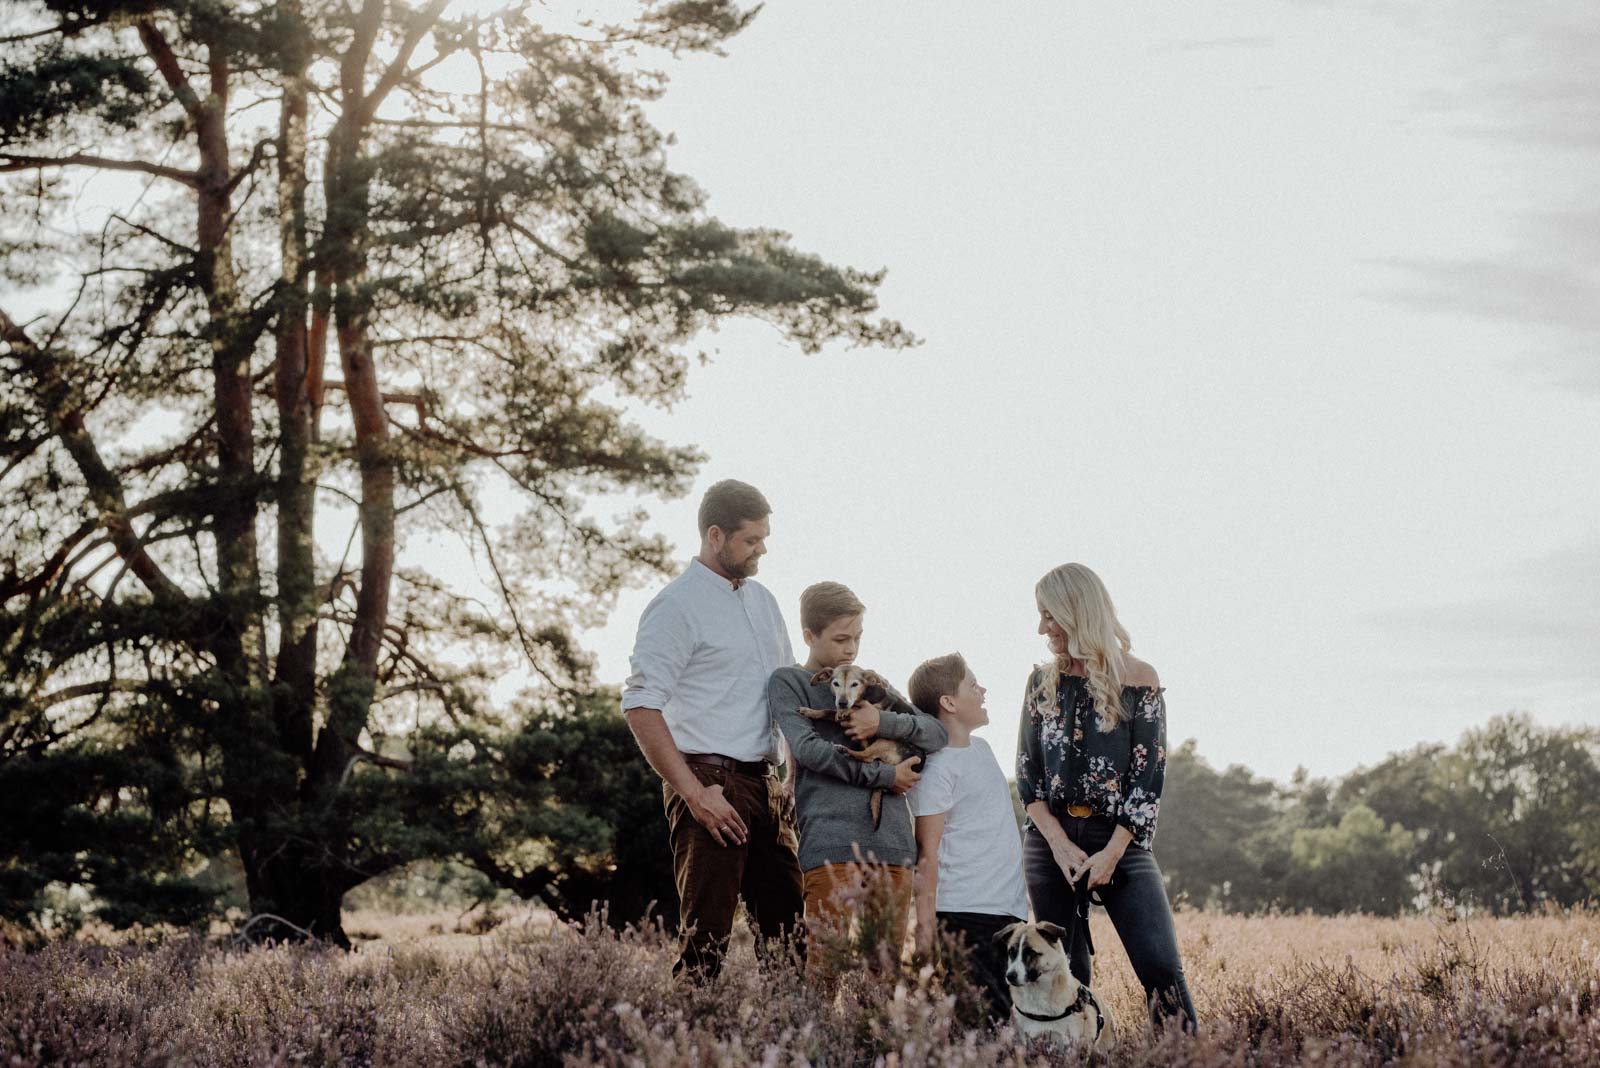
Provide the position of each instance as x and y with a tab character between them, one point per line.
1270	990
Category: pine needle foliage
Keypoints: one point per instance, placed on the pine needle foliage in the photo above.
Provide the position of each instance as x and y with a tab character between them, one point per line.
366	273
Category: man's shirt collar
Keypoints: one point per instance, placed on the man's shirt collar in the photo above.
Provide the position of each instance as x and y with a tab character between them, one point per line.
729	584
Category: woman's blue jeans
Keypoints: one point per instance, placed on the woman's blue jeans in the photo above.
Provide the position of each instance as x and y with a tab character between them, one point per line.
1136	901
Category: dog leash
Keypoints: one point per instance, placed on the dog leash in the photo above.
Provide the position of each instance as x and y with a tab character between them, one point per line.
1085	996
1082	898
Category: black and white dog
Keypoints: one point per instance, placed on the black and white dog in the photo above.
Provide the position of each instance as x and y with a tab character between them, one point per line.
1045	998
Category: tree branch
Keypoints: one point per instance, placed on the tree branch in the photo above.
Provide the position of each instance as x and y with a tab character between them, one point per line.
370	758
105	489
244	931
416	29
417	400
259	154
66	27
166	62
516	227
106	686
176	246
13	584
439	124
12	162
413	686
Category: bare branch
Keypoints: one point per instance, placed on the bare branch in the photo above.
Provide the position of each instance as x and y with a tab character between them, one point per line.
176	246
417	400
411	687
370	758
12	162
506	594
258	917
67	28
256	157
13	585
439	124
88	689
544	247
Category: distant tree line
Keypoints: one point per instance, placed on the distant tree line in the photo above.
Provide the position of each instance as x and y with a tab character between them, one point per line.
1506	820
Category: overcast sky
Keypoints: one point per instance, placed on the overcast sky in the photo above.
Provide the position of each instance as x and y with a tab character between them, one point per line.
1280	316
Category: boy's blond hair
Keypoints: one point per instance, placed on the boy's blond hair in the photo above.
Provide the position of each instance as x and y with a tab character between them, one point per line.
936	678
824	602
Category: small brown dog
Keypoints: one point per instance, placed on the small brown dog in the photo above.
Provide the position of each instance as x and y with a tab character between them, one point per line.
853	687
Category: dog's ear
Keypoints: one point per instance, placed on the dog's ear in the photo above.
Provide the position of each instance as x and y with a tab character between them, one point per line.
822	676
872	678
1003	936
1051	931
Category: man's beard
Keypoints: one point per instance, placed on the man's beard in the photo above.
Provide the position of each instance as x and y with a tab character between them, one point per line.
741	570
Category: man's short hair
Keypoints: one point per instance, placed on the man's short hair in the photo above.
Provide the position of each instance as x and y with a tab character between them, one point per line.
730	504
936	678
824	602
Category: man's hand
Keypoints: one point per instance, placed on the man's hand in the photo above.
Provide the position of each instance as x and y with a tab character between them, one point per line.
788	814
716	814
905	775
861	722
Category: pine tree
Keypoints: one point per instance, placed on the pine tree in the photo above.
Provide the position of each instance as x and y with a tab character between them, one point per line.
373	258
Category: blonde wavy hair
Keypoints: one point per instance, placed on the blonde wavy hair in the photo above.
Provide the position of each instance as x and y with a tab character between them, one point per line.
1076	599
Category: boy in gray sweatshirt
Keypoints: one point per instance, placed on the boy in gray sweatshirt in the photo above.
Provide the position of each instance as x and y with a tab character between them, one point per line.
832	789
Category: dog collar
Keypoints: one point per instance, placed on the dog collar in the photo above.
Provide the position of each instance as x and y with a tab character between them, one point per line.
1085	997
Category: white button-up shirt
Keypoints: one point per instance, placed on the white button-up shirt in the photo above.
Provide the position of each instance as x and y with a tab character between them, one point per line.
703	656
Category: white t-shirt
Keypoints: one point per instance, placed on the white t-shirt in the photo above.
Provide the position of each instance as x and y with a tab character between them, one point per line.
980	853
703	656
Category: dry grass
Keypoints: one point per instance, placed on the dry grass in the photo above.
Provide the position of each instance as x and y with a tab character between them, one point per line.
449	933
1270	990
1222	952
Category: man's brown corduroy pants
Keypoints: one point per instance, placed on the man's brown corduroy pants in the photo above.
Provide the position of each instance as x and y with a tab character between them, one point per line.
711	878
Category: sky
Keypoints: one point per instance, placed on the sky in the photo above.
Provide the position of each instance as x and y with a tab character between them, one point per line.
1280	316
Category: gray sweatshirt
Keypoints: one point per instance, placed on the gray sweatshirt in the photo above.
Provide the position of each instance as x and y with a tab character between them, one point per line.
831	789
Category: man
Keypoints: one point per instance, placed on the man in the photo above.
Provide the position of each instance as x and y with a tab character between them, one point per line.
697	704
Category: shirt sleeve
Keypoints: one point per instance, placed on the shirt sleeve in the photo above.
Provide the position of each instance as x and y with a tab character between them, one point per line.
1147	766
935	792
914	728
785	697
1030	754
661	651
900	720
783	629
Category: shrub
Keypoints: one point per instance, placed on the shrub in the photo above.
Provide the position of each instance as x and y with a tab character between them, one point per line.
1271	991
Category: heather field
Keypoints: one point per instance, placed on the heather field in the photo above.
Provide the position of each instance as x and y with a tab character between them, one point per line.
1271	990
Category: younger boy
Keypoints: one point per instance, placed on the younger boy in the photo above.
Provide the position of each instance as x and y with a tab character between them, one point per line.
969	852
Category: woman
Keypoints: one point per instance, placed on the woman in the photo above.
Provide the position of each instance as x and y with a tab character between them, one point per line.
1090	758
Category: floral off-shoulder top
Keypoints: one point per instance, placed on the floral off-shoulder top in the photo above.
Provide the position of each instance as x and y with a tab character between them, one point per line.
1063	758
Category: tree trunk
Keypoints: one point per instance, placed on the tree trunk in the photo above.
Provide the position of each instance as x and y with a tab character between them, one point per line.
295	679
350	692
292	898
